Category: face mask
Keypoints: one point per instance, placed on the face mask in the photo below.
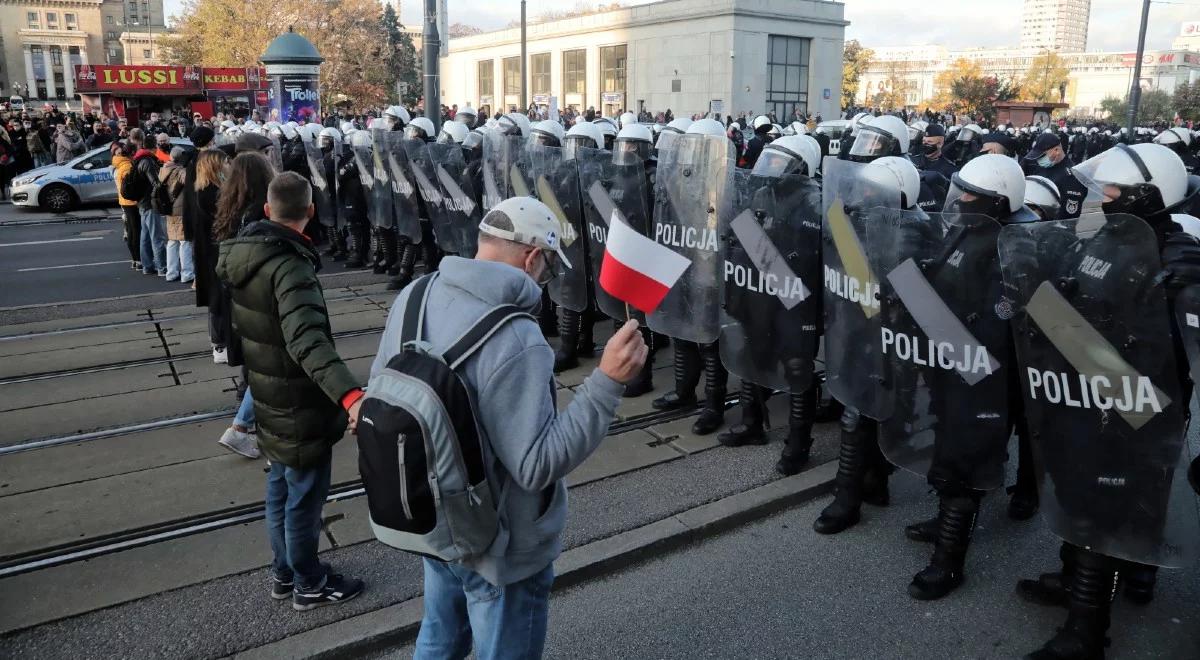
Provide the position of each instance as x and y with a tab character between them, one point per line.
930	149
1045	162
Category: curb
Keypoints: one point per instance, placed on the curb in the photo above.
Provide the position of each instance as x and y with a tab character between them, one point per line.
398	624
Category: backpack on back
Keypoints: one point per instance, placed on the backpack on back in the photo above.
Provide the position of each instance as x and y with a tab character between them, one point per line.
421	453
135	187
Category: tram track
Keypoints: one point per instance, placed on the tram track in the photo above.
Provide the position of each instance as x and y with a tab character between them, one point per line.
184	526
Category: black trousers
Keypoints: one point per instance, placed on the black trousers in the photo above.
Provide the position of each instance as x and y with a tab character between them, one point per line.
133	231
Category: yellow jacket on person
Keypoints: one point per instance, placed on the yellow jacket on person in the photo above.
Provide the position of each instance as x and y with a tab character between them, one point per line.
121	166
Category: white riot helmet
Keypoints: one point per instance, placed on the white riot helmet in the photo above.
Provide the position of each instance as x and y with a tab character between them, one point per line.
679	126
346	127
1042	197
760	121
232	132
969	132
897	174
466	115
606	120
330	137
1176	139
228	124
515	123
628	119
548	133
608	131
991	185
854	123
1142	179
585	134
799	128
397	117
361	139
882	136
634	144
789	155
289	131
310	131
421	129
453	132
776	131
251	126
706	127
1189	223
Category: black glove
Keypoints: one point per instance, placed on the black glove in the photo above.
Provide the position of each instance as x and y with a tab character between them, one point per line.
1181	260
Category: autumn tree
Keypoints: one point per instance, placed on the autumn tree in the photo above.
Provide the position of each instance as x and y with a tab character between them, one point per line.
1187	101
963	88
855	60
1046	78
349	34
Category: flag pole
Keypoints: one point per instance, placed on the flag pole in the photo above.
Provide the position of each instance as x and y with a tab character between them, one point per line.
626	312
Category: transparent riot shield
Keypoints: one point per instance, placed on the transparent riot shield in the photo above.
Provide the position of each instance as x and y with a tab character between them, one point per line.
1187	319
425	176
462	207
555	181
771	298
1101	381
323	189
275	153
362	145
608	188
402	190
853	362
945	343
501	155
693	206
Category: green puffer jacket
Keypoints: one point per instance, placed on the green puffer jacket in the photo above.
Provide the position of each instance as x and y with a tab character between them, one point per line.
295	374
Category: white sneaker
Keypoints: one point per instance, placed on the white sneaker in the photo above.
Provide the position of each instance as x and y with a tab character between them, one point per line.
220	355
244	444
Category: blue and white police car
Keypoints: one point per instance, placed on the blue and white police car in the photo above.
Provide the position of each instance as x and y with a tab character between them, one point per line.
60	188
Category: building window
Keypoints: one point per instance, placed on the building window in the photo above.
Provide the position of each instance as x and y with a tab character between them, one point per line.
112	53
146	53
56	56
486	77
51	20
108	20
540	67
612	77
70	20
112	35
787	76
575	72
512	76
31	19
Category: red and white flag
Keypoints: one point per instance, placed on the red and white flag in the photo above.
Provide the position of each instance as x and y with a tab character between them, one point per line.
637	270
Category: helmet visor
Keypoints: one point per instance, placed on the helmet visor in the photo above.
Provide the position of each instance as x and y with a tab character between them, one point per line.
414	132
870	144
630	152
446	138
775	163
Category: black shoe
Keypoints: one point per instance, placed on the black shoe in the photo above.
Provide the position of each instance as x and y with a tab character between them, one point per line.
1048	589
353	263
837	517
1023	504
710	420
791	463
1089	607
924	531
1139	581
672	401
643	384
875	488
740	435
281	590
337	589
400	281
934	582
564	361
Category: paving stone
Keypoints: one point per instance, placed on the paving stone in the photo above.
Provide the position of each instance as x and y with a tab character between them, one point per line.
619	454
33	394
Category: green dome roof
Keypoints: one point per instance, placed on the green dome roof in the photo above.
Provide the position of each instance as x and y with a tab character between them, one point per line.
291	48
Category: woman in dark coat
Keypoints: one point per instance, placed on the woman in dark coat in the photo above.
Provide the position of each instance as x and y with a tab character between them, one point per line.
210	168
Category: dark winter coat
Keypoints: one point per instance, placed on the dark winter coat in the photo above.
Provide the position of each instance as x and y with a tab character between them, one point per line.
293	368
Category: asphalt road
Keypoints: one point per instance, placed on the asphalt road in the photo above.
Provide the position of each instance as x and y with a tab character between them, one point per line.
776	589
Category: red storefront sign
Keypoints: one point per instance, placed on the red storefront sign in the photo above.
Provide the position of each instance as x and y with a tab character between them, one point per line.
232	78
130	78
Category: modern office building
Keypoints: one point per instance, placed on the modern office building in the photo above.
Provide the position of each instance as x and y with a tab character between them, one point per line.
1058	25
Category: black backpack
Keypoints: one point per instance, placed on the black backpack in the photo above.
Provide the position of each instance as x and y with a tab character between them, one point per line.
135	186
420	449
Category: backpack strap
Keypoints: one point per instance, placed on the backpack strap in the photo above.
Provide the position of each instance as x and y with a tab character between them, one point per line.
414	310
475	336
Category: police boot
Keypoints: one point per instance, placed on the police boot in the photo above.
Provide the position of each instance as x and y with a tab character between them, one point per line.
567	355
687	376
875	481
378	250
402	271
338	244
586	346
1023	496
750	431
923	532
715	377
828	409
1138	580
391	251
358	245
799	441
644	382
844	512
956	523
331	250
1050	588
547	318
1089	604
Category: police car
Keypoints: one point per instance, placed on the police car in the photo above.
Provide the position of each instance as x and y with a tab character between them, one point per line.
83	179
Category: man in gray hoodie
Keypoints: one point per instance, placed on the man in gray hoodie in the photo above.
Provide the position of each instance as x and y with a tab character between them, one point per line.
499	602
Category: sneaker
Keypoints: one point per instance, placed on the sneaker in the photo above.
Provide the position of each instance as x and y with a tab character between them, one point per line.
220	355
244	444
337	589
281	590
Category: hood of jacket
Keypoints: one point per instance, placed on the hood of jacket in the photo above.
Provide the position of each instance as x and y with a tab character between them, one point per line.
120	160
260	242
492	282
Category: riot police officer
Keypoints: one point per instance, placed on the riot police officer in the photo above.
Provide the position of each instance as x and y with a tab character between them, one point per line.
353	206
1047	158
762	127
1179	140
575	329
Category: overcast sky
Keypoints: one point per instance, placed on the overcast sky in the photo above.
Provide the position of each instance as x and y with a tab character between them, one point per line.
956	23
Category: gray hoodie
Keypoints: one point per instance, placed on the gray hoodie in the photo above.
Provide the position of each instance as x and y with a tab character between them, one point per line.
512	381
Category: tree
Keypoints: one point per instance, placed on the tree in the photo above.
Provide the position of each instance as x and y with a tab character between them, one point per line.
893	95
1156	106
855	60
1187	101
404	70
348	34
1115	108
581	8
963	88
1045	79
462	30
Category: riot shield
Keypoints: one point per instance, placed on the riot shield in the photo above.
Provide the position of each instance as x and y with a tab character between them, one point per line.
501	155
1187	319
771	322
607	188
1101	381
853	363
693	205
425	176
323	189
462	207
402	192
362	146
944	342
275	153
555	181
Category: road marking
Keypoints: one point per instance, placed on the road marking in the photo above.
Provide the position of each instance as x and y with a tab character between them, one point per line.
94	263
60	240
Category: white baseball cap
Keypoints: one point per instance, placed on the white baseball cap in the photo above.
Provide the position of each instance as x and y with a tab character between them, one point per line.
527	221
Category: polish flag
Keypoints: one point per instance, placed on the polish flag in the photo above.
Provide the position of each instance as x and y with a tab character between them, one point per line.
637	270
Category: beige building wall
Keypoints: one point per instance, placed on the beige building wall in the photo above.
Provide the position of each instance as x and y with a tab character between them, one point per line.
39	42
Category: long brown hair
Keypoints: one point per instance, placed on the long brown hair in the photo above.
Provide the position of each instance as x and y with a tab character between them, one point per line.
245	189
208	168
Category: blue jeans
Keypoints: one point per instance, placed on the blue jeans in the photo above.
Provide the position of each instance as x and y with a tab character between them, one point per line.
180	263
154	241
462	608
245	413
294	501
